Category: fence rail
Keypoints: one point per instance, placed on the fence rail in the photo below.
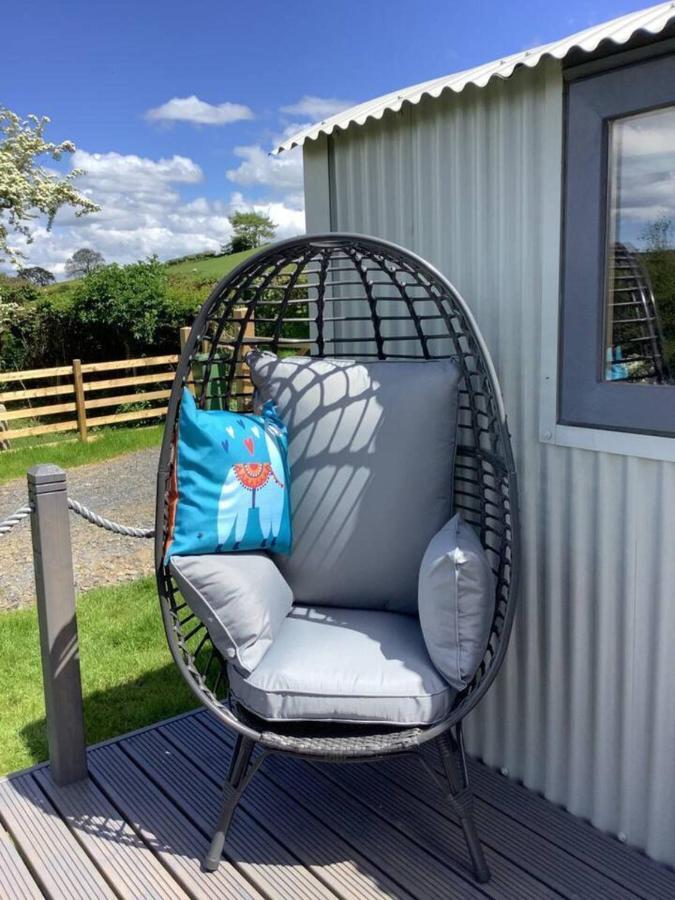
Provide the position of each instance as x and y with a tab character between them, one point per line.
79	396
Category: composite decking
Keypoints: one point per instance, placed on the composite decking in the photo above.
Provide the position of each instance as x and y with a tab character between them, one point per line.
139	826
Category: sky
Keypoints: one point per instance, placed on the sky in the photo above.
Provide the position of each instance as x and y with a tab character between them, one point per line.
174	107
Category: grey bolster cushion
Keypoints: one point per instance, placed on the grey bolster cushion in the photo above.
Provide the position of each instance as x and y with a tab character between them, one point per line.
242	598
456	599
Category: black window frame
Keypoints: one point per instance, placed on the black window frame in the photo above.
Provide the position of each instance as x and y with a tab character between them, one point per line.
591	103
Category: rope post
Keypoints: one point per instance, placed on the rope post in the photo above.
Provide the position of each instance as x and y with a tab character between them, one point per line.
80	405
55	589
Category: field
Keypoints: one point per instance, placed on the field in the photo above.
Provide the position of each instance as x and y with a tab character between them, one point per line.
210	267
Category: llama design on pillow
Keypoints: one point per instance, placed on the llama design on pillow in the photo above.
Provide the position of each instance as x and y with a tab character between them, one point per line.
231	482
253	496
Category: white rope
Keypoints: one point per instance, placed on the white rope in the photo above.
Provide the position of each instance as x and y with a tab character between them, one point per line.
7	524
102	522
80	509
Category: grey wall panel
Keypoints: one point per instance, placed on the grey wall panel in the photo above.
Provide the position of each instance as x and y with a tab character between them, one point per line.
585	707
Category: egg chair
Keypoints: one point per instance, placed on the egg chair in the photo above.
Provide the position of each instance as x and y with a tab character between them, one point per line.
346	296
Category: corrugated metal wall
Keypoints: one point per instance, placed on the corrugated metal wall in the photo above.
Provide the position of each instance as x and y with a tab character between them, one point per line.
585	707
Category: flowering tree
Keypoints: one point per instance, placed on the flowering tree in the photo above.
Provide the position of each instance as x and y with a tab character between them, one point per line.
26	188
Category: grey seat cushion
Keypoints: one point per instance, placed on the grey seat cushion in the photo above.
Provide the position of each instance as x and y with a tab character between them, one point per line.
346	665
456	601
242	598
371	452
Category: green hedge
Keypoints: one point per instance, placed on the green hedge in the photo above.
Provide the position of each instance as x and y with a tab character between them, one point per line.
115	312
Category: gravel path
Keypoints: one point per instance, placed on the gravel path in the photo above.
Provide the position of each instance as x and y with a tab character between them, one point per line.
122	489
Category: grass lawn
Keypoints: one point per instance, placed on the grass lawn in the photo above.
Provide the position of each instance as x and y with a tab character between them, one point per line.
128	677
69	453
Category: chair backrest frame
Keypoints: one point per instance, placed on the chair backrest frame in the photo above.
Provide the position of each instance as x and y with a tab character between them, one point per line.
315	283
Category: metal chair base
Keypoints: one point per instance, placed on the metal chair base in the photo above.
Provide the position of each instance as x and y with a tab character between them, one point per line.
238	778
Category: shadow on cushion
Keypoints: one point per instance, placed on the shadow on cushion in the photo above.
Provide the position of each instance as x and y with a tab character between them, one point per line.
345	665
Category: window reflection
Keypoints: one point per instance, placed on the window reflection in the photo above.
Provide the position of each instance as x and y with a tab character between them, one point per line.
640	308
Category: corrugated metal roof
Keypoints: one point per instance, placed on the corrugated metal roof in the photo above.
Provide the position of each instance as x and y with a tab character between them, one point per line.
619	31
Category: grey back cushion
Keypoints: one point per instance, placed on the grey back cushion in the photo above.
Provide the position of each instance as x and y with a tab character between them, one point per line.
371	452
456	601
242	598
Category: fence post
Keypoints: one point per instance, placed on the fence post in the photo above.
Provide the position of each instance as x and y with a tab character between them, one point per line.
242	383
55	589
184	335
4	443
80	407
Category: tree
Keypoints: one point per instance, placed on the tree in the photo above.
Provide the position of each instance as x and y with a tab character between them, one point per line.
659	258
83	262
251	229
125	304
658	235
15	304
36	275
26	189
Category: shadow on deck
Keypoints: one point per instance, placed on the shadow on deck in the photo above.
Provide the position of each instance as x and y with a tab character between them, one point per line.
139	826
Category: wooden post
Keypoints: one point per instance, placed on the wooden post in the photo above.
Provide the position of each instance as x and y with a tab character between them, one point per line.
184	335
242	383
80	407
55	589
4	443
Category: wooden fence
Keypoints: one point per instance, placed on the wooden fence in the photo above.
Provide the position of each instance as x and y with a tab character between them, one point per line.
67	395
71	396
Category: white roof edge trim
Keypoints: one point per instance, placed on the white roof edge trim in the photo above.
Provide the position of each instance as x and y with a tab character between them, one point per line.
651	20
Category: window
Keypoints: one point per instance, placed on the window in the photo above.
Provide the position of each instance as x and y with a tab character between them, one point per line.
618	309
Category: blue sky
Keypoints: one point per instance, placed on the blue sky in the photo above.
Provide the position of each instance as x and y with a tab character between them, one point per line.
224	80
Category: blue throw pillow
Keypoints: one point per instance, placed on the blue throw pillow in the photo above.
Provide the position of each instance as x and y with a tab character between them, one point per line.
232	482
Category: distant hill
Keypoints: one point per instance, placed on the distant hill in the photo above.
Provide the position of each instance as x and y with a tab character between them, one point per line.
201	270
209	266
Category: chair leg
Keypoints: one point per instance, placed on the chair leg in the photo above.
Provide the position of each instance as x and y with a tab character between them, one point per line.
236	778
451	749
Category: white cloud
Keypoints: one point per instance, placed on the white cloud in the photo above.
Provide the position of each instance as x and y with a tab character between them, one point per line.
645	162
143	213
192	109
112	171
258	167
316	108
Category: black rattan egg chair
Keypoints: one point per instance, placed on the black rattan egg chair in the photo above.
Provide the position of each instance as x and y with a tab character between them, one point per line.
346	295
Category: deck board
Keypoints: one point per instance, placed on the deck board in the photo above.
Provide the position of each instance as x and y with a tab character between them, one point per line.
16	880
128	864
154	816
345	871
413	868
509	837
265	861
140	826
635	871
61	866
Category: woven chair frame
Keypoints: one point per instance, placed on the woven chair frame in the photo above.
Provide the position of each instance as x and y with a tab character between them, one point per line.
344	295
